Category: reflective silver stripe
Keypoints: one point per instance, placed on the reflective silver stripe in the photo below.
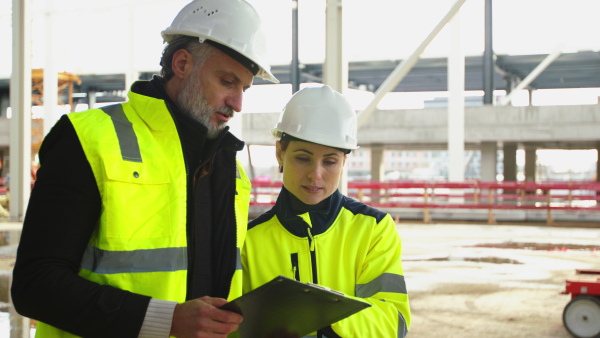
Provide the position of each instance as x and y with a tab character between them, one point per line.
130	149
238	259
148	260
387	282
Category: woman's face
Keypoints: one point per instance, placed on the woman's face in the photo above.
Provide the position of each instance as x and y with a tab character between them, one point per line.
310	171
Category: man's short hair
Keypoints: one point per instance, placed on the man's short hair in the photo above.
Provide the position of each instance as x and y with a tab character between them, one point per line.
200	52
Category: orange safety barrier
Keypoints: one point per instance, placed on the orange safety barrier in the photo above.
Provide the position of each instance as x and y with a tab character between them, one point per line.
475	194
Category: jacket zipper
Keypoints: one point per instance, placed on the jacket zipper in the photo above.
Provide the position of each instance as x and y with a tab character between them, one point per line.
192	232
295	270
189	219
313	263
313	255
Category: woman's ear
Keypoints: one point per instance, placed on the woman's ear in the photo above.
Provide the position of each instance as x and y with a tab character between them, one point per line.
279	153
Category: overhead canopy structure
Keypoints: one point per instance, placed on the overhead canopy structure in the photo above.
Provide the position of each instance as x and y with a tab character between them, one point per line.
569	70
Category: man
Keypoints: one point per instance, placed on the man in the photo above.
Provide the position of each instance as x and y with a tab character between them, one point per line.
139	211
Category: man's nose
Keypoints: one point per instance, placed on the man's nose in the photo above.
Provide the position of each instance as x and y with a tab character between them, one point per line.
234	100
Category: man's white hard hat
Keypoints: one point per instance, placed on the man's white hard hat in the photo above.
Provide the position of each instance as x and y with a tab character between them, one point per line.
319	115
231	23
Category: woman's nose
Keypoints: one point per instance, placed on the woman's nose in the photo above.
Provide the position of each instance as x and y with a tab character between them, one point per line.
315	172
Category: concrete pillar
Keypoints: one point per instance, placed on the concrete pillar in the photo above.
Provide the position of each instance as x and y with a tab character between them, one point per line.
598	162
91	99
530	163
50	76
489	159
456	105
335	66
377	168
20	101
4	104
510	161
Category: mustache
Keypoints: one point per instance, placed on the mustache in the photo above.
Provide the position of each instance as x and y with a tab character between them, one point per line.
225	110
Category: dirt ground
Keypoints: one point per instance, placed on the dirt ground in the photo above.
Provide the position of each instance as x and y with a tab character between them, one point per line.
476	281
461	288
479	310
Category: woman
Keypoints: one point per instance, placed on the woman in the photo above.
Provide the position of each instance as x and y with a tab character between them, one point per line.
315	234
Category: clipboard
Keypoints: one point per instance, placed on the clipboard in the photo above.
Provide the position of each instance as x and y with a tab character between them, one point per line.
286	308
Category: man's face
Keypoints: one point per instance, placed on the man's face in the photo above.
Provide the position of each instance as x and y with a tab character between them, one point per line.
213	93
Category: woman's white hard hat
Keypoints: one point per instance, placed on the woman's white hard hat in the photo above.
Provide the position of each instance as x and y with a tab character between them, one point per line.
232	23
319	115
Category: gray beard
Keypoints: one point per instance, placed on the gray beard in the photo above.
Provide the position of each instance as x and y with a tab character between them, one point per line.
192	102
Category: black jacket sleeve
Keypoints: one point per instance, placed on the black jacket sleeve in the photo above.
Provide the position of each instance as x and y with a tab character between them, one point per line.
62	213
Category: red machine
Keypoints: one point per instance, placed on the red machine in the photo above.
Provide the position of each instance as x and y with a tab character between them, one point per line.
581	316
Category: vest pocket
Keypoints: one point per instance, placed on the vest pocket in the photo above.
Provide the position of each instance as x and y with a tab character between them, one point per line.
136	198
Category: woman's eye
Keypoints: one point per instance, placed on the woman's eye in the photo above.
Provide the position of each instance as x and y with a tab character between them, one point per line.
302	159
330	162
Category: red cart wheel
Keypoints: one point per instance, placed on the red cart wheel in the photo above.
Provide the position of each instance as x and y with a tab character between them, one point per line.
582	317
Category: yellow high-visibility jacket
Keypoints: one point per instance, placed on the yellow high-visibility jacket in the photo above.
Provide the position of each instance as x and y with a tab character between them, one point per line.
346	246
140	244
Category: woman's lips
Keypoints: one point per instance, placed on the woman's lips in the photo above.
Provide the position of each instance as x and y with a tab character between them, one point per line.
311	190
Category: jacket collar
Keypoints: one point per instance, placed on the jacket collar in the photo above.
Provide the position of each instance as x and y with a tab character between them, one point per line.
320	219
149	97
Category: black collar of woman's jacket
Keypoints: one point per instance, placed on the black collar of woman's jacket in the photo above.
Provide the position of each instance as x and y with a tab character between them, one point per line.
322	217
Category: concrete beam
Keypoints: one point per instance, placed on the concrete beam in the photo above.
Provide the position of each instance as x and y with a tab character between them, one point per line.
553	126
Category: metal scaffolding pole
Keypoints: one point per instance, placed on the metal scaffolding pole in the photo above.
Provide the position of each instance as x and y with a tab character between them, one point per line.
295	67
406	65
533	75
488	57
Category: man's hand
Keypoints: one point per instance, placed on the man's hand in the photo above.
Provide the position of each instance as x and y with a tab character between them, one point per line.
201	318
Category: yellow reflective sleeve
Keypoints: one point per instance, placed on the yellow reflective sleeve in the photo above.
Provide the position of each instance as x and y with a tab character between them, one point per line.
382	284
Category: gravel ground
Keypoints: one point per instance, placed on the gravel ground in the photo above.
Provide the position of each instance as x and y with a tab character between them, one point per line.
492	281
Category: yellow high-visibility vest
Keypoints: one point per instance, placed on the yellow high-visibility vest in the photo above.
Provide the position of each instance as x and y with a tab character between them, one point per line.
140	244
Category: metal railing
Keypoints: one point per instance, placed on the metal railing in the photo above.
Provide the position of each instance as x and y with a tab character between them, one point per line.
490	196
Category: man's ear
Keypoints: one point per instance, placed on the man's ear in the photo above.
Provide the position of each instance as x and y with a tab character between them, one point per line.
182	63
